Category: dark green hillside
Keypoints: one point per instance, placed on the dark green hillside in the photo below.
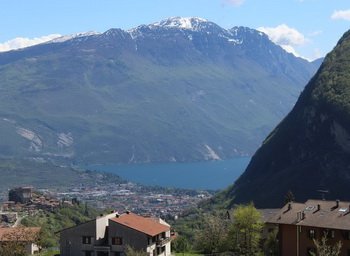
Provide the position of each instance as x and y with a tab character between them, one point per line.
310	149
153	94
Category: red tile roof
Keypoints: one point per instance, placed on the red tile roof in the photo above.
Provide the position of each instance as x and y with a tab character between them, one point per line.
18	233
141	224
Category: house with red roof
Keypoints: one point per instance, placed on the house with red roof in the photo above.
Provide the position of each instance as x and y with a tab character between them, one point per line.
108	236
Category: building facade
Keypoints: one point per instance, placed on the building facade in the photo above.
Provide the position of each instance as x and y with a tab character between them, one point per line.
300	223
20	195
110	235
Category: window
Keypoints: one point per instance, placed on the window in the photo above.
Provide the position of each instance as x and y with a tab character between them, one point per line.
312	233
117	241
160	250
310	208
330	234
86	239
346	235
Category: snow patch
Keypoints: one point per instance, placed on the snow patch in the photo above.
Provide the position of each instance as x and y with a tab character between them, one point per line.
191	23
78	35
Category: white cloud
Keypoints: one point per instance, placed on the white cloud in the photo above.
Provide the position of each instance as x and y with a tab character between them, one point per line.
284	35
341	15
235	2
21	42
290	49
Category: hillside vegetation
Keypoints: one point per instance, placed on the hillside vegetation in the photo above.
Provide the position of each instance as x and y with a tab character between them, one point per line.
309	151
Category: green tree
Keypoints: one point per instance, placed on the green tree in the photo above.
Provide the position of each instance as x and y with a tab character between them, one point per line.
270	245
323	249
130	251
212	237
181	244
289	197
245	231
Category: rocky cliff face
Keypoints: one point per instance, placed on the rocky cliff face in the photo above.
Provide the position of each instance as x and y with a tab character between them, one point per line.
182	89
309	151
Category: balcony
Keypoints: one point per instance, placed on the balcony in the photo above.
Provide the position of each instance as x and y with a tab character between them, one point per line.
163	241
102	248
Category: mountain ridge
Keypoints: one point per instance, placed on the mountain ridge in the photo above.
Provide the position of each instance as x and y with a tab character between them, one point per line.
181	96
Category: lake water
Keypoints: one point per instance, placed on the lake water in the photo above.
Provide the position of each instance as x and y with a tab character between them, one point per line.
199	175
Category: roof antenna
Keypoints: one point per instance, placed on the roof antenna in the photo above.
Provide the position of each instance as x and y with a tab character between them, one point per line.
323	192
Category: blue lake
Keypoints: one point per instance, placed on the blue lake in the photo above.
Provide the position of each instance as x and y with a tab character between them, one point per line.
199	175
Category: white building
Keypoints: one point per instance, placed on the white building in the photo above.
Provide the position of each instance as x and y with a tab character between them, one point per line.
108	235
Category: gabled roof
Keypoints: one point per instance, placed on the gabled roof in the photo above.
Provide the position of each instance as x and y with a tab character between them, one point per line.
142	224
267	213
315	213
18	233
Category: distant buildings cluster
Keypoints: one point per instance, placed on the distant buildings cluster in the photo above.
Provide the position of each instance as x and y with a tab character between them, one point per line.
23	199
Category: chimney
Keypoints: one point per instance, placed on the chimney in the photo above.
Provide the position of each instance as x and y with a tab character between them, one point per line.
303	215
127	212
117	215
337	203
289	206
318	207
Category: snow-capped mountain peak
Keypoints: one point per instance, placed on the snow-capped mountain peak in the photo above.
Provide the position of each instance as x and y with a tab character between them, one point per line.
192	23
68	37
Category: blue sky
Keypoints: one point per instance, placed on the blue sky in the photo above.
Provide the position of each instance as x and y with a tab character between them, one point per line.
309	27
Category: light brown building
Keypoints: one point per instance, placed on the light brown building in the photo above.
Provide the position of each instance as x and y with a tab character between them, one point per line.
300	223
